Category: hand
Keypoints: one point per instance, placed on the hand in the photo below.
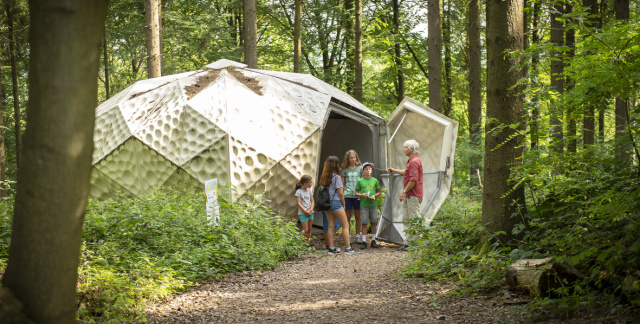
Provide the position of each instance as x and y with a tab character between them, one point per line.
403	196
390	170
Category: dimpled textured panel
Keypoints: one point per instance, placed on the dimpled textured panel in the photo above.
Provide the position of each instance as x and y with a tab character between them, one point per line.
304	158
247	165
279	186
136	167
212	103
110	132
255	120
213	162
182	179
312	103
103	187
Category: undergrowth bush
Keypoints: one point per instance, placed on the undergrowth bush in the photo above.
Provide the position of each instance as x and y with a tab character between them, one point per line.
582	207
453	249
137	250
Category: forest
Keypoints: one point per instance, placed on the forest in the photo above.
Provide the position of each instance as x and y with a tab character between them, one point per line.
546	165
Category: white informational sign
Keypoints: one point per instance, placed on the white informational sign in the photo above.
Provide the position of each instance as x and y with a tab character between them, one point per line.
213	209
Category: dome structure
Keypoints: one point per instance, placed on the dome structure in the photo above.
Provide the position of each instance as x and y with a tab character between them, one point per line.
258	130
261	131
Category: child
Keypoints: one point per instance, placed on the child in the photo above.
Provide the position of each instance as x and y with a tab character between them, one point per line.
331	179
304	196
368	189
351	172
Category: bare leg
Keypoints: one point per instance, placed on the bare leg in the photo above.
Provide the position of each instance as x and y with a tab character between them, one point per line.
358	231
331	233
340	215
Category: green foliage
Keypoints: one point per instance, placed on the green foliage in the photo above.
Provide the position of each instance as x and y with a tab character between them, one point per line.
139	250
453	249
585	207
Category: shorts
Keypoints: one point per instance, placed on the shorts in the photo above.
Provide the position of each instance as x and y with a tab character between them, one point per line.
410	208
369	213
351	203
325	223
304	218
335	206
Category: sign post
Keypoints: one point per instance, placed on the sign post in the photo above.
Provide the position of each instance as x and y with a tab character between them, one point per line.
213	208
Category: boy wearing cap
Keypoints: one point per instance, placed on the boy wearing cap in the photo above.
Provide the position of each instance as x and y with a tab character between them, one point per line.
368	189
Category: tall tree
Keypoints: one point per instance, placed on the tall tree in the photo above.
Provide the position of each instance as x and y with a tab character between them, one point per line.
11	7
572	120
623	146
53	181
588	119
535	59
557	77
106	65
397	54
358	52
503	149
152	20
475	85
446	40
251	34
434	66
3	189
349	39
297	34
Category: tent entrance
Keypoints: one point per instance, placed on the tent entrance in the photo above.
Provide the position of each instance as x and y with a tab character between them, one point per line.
343	132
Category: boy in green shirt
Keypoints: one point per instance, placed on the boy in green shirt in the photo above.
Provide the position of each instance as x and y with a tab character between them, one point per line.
368	189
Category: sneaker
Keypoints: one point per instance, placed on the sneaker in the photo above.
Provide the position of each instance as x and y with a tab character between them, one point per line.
363	245
404	248
332	251
374	244
350	250
358	240
327	248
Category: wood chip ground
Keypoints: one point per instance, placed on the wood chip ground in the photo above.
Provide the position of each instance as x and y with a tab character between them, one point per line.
343	288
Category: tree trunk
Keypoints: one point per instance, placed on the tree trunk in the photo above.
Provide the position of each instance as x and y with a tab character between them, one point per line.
251	34
623	145
3	189
535	59
540	276
54	179
475	87
572	120
297	34
11	7
588	121
434	66
106	66
349	38
397	53
446	39
357	88
503	149
557	78
152	20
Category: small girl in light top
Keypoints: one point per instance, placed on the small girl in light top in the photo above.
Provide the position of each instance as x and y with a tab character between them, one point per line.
351	172
304	196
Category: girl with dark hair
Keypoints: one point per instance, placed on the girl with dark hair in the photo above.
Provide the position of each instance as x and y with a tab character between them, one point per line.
331	178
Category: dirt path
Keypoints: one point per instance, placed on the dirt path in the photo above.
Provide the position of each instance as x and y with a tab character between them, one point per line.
324	288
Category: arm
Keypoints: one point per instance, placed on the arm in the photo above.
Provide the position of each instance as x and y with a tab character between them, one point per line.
341	194
398	171
313	204
377	194
410	185
300	204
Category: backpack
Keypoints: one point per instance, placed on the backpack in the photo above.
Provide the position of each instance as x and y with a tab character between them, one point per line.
323	202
